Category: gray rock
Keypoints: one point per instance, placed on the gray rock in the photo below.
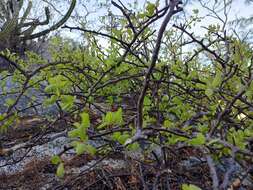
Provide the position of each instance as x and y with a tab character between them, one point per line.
31	96
36	153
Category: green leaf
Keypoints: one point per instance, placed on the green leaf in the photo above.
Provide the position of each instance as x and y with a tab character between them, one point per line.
109	118
2	116
133	147
123	137
57	84
55	160
110	100
60	170
147	101
102	125
165	98
190	187
50	88
198	140
209	92
50	100
81	129
90	149
74	133
217	79
67	102
10	101
118	117
213	141
150	8
116	136
83	135
80	148
112	118
167	123
85	120
201	86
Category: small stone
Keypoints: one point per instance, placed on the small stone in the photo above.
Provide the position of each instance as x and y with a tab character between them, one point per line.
236	183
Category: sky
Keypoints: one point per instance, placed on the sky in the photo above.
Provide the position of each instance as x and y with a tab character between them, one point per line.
238	9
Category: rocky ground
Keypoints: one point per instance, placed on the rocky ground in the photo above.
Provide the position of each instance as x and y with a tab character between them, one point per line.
26	165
